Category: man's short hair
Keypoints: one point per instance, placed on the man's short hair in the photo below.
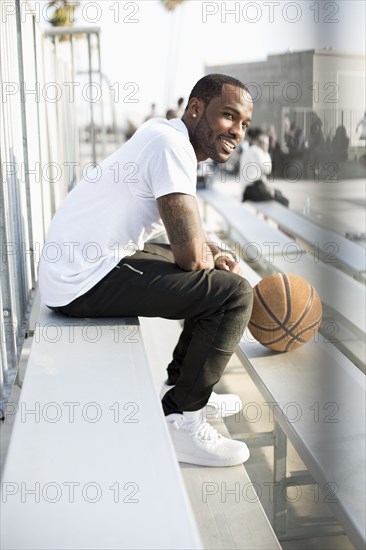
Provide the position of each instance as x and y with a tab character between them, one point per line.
210	86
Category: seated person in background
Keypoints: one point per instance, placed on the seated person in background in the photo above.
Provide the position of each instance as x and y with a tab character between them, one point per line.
170	114
340	144
295	141
272	139
362	125
316	153
255	166
180	107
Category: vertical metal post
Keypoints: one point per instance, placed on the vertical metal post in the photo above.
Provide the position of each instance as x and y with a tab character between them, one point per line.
76	169
41	153
59	123
279	475
2	394
103	129
3	358
48	131
284	112
92	126
351	126
25	137
7	278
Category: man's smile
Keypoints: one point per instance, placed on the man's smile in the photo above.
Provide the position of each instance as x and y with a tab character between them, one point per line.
227	145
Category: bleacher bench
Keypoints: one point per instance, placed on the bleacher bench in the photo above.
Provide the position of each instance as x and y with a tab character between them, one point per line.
317	397
90	463
343	297
251	236
329	246
224	520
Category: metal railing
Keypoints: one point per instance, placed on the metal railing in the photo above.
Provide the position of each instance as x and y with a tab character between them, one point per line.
330	119
42	153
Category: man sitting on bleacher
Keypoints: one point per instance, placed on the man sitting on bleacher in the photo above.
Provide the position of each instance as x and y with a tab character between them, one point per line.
105	269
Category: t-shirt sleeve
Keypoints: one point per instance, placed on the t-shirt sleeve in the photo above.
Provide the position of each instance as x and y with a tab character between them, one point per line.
172	168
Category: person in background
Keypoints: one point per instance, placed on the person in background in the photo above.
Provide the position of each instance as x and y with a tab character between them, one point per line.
362	125
295	141
130	129
152	113
315	154
272	137
170	114
285	130
340	144
255	162
180	107
255	167
177	112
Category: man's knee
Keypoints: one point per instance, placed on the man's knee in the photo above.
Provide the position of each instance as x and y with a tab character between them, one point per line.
245	290
238	290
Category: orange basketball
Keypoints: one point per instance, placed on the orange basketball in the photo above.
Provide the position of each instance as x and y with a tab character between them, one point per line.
287	312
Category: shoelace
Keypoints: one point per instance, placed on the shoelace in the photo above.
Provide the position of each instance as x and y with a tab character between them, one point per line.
201	430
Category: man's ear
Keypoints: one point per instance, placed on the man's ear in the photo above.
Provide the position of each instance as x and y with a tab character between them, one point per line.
195	108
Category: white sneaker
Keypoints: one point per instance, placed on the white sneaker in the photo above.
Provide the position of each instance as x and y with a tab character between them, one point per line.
196	442
220	405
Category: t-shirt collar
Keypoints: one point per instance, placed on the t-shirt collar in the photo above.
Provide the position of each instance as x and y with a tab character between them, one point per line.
179	125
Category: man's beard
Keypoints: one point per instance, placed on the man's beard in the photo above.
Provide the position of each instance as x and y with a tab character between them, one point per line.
203	138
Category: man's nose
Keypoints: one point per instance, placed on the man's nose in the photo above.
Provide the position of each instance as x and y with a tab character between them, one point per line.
238	130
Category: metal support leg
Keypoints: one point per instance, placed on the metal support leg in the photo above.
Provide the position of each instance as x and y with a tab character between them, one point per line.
279	475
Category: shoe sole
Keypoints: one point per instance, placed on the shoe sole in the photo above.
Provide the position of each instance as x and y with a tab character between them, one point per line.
214	463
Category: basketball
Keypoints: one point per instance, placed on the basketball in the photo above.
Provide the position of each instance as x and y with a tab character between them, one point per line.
287	312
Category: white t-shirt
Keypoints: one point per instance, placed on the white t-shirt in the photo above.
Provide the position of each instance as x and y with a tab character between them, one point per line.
112	212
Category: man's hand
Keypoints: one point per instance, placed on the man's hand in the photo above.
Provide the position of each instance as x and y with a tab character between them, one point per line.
223	262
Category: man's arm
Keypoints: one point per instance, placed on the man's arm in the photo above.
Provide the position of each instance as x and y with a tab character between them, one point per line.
187	238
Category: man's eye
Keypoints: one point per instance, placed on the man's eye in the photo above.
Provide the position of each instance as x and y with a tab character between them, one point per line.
229	115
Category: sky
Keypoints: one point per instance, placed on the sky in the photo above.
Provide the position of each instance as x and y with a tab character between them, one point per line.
152	55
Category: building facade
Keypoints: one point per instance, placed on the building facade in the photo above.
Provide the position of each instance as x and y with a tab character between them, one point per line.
326	84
